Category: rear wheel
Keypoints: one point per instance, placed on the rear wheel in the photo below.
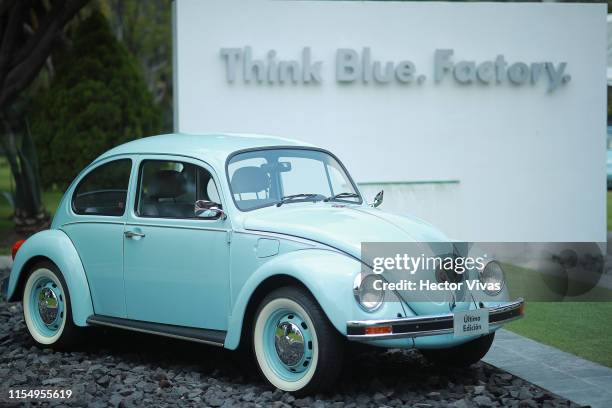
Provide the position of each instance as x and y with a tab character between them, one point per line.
463	355
296	347
46	307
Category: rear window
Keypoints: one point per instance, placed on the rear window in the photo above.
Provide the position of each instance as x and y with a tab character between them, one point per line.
104	190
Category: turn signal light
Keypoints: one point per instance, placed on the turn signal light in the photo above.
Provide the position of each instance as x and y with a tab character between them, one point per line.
16	247
379	330
522	310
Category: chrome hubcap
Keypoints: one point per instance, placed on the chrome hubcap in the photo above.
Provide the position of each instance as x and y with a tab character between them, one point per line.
48	305
289	343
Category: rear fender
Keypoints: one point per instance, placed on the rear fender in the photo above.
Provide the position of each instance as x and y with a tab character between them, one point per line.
55	246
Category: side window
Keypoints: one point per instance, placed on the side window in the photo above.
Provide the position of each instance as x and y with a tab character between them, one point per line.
104	190
169	189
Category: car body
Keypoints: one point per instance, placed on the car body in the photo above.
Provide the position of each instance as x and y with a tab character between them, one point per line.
126	250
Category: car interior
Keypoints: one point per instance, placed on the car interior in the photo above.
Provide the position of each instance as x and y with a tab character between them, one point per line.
251	186
170	189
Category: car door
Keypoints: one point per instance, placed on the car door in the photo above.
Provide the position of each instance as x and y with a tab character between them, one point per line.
175	264
98	204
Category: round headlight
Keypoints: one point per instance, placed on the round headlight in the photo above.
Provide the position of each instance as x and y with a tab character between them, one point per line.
368	297
493	277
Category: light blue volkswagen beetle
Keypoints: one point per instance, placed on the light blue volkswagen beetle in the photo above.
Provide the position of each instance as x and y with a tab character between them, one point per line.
231	240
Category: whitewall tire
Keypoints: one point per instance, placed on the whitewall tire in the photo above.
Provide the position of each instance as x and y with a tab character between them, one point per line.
296	347
46	307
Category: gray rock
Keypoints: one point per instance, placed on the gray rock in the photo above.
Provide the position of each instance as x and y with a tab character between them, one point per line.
54	381
433	395
363	399
215	402
303	402
528	403
137	395
483	401
525	394
379	397
103	380
95	404
462	403
121	369
266	396
164	383
115	400
19	379
249	396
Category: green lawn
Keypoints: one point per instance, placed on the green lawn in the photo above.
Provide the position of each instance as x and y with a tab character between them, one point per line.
580	328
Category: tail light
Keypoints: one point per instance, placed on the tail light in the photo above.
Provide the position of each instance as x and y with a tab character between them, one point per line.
16	247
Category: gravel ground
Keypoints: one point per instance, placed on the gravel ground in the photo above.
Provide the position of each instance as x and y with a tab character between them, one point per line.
125	369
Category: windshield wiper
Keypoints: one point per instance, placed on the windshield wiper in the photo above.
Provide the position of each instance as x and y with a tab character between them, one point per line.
342	195
292	197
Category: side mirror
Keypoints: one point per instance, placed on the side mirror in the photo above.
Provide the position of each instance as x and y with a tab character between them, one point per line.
378	199
209	210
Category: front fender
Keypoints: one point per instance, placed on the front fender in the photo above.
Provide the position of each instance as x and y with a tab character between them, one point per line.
327	274
57	247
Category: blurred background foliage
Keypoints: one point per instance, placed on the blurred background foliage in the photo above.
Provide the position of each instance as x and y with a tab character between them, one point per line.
145	28
77	77
98	99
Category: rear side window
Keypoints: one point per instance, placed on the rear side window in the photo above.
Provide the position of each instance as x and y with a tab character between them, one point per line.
104	190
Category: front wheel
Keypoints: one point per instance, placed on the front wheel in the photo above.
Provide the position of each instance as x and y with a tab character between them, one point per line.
463	355
46	307
296	347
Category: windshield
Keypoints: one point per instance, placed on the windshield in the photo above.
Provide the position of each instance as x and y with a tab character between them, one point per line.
264	177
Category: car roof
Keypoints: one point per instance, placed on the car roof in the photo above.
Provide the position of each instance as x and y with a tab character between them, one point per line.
206	146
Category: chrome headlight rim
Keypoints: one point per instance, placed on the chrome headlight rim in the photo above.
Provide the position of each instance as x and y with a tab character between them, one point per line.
357	284
503	278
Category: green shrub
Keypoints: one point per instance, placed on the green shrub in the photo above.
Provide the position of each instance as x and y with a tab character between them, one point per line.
98	99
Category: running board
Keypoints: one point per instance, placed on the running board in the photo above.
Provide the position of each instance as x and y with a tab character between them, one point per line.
205	336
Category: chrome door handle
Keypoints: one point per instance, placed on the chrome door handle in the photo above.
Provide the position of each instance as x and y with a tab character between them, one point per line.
133	234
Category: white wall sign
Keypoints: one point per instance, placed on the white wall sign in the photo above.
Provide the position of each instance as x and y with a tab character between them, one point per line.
501	106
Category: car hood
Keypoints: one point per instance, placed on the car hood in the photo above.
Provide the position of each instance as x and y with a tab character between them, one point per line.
343	227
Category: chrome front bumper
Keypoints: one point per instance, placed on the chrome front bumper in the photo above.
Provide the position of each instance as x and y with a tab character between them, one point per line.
418	326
